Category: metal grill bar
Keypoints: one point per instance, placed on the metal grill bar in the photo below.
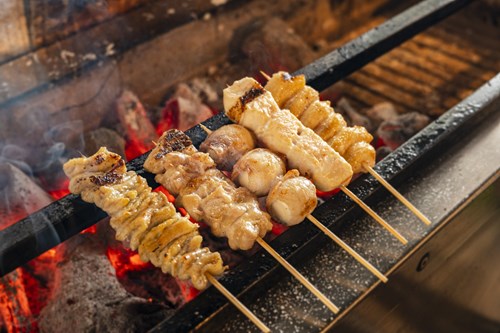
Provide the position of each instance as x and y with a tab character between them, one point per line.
59	221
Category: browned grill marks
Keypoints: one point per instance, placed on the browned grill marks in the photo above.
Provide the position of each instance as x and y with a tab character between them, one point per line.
250	95
109	177
175	140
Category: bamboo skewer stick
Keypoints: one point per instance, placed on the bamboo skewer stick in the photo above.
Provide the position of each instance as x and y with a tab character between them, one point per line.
398	195
240	306
298	276
348	249
265	75
374	215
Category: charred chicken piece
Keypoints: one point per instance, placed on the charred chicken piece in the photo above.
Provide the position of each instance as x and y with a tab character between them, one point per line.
144	219
227	145
292	199
249	104
258	170
208	195
291	92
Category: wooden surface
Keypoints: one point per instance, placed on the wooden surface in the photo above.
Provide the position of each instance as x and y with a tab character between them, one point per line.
13	31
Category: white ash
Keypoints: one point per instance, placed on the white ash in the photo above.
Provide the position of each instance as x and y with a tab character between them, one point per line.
67	55
109	51
381	112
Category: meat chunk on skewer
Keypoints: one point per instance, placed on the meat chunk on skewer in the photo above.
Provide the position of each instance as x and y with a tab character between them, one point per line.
292	199
258	170
210	196
223	149
289	199
144	219
291	92
247	103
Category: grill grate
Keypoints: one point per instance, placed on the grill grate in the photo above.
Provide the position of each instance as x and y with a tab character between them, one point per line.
430	73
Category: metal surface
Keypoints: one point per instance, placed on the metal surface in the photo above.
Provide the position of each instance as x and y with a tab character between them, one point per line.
338	64
448	285
43	230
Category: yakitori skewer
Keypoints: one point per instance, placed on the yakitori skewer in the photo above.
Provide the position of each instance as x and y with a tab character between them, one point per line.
247	103
148	222
291	92
260	170
209	196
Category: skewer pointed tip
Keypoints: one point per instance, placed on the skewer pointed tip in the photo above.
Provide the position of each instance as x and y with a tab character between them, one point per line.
206	129
265	75
374	215
398	195
240	306
347	248
296	274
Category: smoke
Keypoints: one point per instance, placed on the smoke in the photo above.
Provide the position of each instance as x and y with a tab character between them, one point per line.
16	156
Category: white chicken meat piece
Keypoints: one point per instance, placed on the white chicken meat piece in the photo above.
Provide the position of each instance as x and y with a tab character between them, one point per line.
292	199
258	170
227	145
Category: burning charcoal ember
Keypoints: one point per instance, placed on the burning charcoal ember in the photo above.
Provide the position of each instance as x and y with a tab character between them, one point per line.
88	297
139	278
352	116
19	195
15	313
138	129
381	112
183	110
104	137
396	131
275	46
38	279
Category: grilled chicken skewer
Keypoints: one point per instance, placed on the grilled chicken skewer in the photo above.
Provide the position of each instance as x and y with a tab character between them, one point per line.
203	190
148	222
247	103
145	219
291	199
353	143
211	197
